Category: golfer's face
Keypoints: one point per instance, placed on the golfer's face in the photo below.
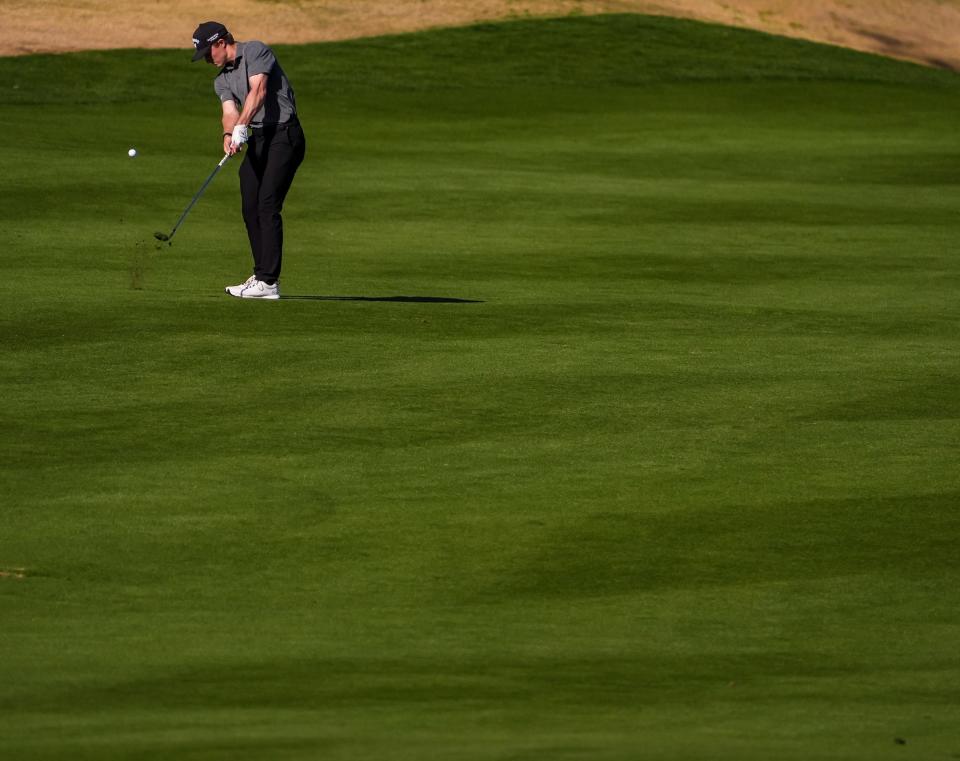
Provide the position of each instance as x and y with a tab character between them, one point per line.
217	55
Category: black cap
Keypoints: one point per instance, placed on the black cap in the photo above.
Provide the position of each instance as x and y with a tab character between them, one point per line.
207	33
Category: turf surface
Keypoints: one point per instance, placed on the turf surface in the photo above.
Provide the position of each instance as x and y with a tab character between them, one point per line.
616	416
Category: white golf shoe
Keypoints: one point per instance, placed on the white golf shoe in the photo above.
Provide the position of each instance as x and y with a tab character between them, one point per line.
255	289
234	290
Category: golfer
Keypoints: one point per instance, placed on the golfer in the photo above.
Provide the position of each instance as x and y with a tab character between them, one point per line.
259	110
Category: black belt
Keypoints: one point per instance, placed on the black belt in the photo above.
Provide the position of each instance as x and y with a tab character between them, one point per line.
276	127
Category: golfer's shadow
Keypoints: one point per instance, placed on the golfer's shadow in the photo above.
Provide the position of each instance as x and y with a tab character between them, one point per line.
400	299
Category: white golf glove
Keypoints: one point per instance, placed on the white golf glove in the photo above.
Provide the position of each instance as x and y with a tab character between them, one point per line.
239	136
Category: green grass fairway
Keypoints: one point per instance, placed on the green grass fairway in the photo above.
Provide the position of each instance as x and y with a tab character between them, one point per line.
656	457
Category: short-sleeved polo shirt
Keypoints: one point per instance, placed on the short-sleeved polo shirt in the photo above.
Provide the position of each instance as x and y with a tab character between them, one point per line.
233	83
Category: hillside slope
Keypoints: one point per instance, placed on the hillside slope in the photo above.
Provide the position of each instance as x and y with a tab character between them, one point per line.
610	413
927	31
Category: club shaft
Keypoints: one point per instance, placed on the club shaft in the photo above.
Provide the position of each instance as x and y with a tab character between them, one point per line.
199	193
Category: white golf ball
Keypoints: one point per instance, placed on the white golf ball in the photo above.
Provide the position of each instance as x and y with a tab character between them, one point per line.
132	152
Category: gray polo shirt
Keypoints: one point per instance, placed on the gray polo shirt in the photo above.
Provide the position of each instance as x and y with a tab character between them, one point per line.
233	83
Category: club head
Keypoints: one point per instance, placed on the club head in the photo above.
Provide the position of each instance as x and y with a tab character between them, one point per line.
161	237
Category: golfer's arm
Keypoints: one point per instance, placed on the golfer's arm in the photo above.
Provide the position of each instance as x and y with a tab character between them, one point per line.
230	116
255	98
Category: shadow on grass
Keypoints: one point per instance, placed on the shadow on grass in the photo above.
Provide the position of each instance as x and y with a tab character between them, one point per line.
401	299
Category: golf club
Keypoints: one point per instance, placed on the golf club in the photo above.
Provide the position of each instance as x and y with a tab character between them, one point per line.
167	238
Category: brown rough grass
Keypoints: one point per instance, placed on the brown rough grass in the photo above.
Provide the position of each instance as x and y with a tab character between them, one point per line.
927	31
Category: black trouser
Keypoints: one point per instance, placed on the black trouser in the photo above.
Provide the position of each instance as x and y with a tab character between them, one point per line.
273	155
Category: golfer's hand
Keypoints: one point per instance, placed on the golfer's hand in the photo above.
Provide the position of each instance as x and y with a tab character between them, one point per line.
238	138
228	144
